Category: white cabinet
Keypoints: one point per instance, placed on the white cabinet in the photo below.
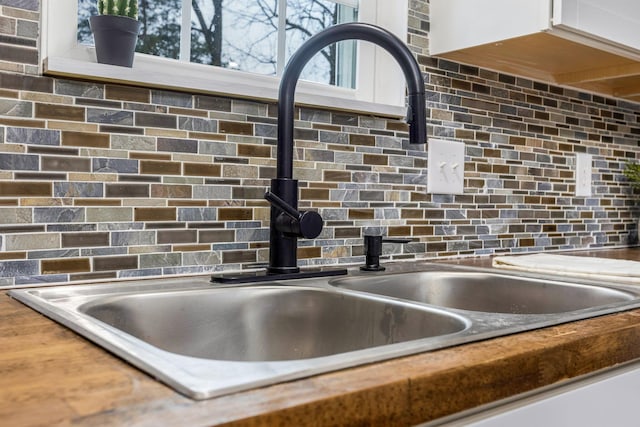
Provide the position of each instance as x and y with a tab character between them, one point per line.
460	24
606	399
587	44
613	22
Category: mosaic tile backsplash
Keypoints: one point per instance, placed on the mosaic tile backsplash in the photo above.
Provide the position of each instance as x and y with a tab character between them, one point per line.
102	181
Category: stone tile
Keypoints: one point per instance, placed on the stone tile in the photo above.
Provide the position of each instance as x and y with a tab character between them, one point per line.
216	236
247	107
32	136
19	268
126	190
10	107
252	235
26	189
38	176
19	162
154	214
210	192
12	255
58	214
73	265
121	129
103	251
78	189
197	214
22	4
79	89
217	148
198	124
65	164
314	194
254	150
7	25
177	236
238	128
150	156
23	55
156	120
26	82
334	137
106	165
85	139
235	214
77	240
212	103
201	258
232	257
172	191
133	143
110	116
29	241
160	168
109	214
309	252
171	98
127	93
361	214
92	276
160	260
139	178
178	145
201	169
15	216
114	263
337	176
59	112
133	238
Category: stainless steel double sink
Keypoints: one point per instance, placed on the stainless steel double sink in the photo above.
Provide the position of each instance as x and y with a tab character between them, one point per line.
207	340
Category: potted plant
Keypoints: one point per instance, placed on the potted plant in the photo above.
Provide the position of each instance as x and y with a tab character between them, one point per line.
632	173
115	31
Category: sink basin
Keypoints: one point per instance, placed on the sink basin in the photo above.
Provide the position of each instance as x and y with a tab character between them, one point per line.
267	323
207	341
488	292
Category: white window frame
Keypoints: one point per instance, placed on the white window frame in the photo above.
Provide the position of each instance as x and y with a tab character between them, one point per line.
380	82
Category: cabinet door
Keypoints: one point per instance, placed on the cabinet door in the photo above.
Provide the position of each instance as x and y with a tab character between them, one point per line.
606	399
460	24
613	21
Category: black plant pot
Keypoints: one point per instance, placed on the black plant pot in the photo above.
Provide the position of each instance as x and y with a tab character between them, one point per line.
115	38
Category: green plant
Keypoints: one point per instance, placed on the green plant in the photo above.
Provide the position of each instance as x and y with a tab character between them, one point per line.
632	172
118	7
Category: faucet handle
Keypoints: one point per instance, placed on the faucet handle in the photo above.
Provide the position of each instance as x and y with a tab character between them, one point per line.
307	224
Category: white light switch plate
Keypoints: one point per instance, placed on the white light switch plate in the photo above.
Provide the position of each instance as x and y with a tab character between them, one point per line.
583	174
445	167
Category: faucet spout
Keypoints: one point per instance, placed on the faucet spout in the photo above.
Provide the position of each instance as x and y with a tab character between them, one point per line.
416	116
286	225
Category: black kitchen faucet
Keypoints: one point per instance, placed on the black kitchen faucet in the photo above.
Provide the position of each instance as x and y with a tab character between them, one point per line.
287	222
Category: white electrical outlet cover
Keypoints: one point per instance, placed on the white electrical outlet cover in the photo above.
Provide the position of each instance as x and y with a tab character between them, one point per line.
445	167
583	174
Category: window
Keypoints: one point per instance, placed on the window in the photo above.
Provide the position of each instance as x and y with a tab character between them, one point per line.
239	48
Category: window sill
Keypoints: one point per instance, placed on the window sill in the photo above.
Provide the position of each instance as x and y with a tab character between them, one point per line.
155	72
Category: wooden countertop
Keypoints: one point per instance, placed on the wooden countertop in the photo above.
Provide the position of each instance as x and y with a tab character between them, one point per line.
52	376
